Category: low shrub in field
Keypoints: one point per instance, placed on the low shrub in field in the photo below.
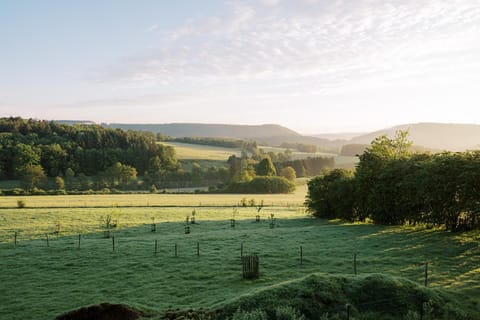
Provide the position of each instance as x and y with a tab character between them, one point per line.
21	204
38	191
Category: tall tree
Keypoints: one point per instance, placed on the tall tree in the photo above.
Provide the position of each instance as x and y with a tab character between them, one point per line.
266	168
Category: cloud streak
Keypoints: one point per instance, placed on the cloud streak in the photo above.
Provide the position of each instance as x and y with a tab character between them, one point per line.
329	44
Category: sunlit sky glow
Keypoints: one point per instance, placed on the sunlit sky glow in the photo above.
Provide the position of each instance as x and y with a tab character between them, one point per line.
312	65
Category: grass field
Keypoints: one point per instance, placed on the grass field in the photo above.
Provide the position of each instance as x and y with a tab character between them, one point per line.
201	152
165	200
40	282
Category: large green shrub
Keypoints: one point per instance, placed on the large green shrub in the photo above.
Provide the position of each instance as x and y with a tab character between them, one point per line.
262	185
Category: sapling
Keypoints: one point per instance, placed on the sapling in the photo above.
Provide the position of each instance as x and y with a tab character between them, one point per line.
192	219
260	206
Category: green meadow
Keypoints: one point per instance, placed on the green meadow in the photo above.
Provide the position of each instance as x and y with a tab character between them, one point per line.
41	280
196	151
157	200
186	151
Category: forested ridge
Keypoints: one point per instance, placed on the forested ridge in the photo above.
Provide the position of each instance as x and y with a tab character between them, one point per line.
391	185
90	150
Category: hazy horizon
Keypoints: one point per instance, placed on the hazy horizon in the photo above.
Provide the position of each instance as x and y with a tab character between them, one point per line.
313	66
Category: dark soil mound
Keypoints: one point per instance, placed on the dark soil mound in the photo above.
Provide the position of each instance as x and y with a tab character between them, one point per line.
104	311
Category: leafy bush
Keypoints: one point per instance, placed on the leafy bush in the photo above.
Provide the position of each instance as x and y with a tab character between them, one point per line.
21	204
38	191
14	192
153	189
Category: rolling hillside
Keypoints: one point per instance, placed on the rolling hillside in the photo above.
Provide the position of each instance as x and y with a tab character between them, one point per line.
211	130
440	136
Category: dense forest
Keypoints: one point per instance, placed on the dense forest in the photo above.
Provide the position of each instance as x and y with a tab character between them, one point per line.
32	150
392	185
216	142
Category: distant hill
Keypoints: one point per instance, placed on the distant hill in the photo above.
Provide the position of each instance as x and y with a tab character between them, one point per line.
439	136
73	122
339	135
425	136
179	130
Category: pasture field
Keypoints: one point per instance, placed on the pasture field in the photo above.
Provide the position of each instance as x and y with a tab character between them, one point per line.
187	151
40	282
154	200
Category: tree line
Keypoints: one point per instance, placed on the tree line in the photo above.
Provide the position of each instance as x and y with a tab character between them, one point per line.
216	142
393	186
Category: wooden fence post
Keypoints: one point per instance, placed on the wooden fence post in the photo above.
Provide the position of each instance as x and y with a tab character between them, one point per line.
198	249
113	243
355	263
156	245
426	273
250	267
79	237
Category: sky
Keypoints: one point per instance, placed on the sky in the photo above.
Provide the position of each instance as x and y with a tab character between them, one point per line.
314	66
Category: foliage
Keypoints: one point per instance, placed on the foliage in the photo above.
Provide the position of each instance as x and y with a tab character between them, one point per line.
308	167
266	168
79	149
283	312
256	314
32	177
217	142
288	173
267	185
59	183
392	186
21	204
332	195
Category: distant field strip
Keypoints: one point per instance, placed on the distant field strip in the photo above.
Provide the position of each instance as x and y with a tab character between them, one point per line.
202	152
154	200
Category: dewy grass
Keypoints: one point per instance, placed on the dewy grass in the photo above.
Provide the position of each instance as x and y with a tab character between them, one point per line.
40	282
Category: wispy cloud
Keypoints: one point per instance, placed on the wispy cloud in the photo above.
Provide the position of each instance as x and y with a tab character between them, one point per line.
330	44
